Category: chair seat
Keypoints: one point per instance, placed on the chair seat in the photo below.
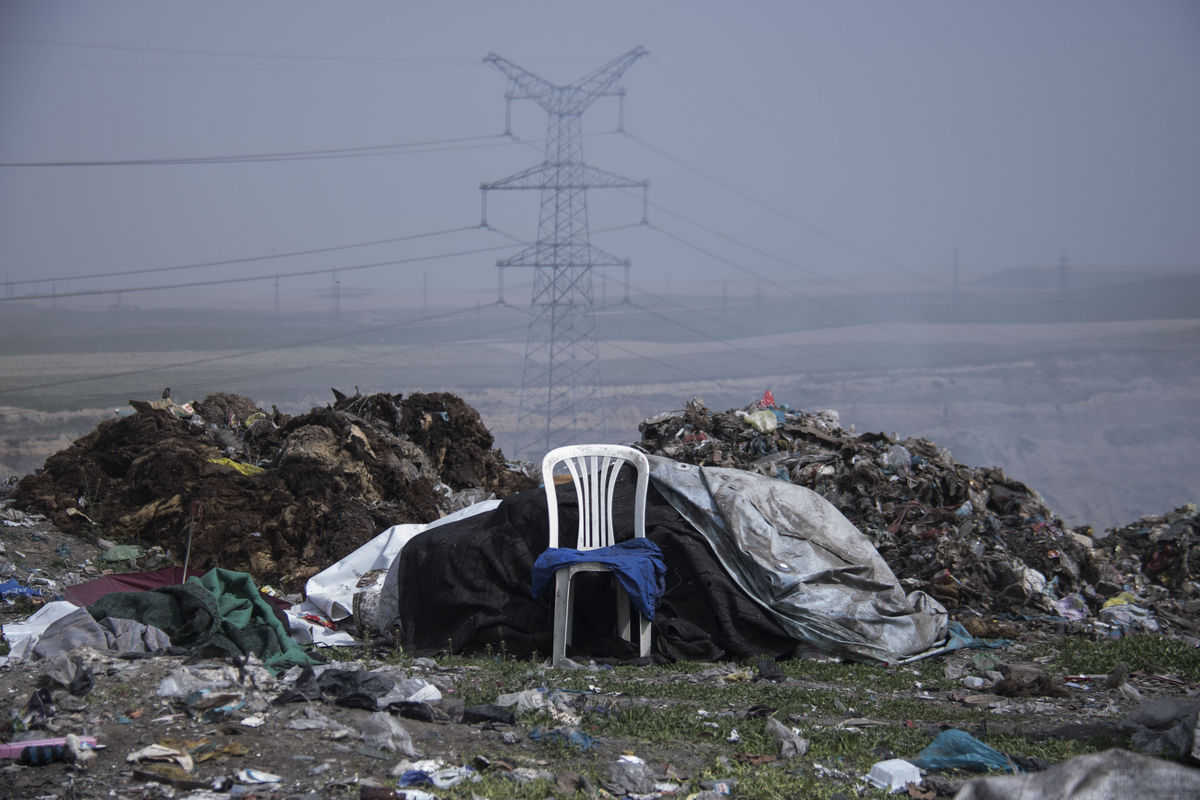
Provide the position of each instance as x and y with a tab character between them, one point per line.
637	563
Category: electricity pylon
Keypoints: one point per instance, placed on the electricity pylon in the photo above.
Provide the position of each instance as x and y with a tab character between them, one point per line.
561	395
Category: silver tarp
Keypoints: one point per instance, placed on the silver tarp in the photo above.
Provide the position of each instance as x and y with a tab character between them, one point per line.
807	565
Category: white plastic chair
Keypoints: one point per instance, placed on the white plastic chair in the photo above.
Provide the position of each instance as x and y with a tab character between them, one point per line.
593	469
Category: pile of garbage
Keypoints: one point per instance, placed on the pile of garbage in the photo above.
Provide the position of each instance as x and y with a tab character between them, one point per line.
282	497
1156	561
975	538
278	496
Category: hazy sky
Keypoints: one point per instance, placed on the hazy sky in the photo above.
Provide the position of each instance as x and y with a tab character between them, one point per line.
852	141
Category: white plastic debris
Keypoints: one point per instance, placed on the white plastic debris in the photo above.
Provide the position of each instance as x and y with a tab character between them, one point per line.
893	774
257	776
791	743
526	701
380	729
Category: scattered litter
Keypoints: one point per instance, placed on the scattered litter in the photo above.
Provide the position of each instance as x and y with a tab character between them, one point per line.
254	776
162	753
629	775
791	744
955	749
893	774
570	736
384	732
45	751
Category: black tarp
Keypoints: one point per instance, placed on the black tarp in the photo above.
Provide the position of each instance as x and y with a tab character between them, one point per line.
465	587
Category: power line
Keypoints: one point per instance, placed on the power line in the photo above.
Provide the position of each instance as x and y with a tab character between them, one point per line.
700	332
827	306
742	268
743	109
385	60
751	247
776	211
397	148
241	354
258	373
234	54
246	259
248	279
654	360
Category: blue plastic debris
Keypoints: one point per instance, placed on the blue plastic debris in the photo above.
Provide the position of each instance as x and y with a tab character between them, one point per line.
958	749
415	777
959	637
13	588
569	736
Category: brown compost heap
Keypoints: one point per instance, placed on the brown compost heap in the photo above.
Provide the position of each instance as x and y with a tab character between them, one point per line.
279	496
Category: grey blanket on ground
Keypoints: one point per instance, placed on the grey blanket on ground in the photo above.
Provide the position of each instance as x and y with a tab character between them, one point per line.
1096	776
79	629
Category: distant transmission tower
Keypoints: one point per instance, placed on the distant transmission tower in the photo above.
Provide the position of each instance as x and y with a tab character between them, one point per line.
561	394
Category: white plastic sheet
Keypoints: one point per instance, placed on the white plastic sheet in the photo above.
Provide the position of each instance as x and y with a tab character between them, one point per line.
331	591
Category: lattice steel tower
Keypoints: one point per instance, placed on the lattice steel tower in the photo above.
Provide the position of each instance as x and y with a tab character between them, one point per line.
561	395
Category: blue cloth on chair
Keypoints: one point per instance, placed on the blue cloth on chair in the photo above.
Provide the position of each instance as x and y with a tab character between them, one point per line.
637	563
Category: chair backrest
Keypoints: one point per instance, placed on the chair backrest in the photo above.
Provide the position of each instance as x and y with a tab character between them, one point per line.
593	469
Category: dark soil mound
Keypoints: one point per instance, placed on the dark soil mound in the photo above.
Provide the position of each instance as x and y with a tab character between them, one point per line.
281	497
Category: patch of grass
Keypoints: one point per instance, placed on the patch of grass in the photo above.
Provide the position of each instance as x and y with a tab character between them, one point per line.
494	673
1056	749
499	784
777	782
860	749
910	708
786	780
653	723
1150	653
880	678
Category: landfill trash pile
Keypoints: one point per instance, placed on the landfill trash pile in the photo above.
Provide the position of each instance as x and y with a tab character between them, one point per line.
276	495
85	719
1148	572
974	538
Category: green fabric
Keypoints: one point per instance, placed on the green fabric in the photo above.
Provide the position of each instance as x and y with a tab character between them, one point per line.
221	608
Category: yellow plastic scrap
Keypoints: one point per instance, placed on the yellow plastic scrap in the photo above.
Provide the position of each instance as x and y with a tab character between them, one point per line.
245	469
1121	599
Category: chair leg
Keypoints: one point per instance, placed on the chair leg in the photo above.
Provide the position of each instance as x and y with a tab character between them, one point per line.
570	608
562	615
644	637
623	629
